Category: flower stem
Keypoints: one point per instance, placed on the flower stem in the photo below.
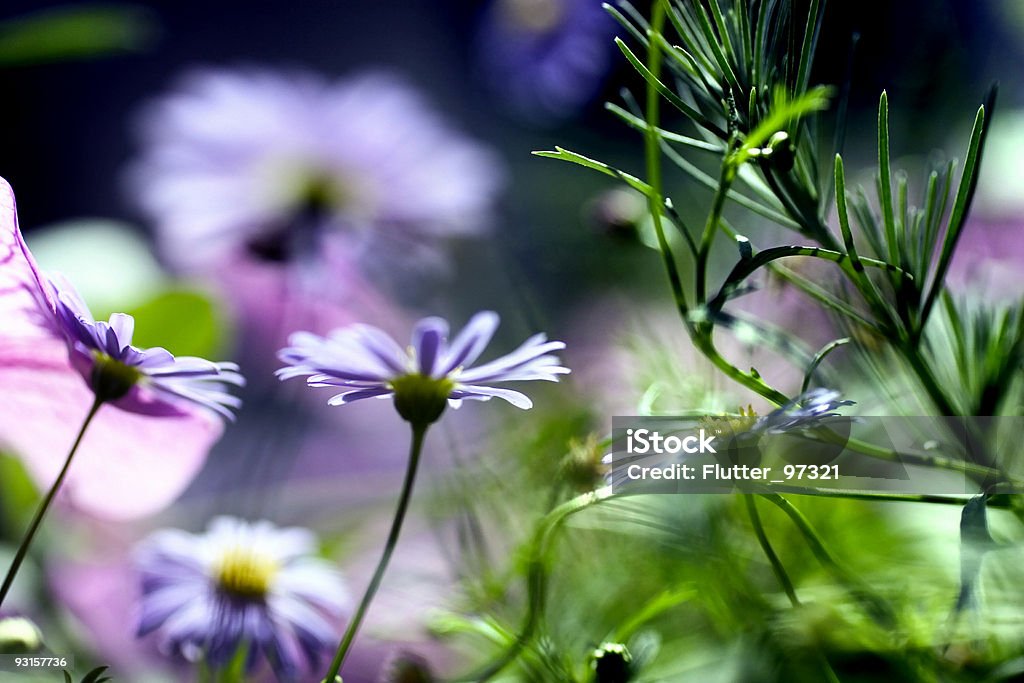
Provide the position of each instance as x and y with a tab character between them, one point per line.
766	546
419	431
37	520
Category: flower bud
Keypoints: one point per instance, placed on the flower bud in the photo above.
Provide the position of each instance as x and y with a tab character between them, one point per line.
19	635
612	663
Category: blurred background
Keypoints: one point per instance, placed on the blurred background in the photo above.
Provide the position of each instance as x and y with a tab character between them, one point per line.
550	247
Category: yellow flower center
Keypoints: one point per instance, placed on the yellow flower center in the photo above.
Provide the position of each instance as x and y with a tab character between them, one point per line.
242	573
726	426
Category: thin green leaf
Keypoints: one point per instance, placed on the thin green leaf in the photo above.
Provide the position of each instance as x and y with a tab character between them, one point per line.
689	38
641	125
747	267
667	93
867	222
723	32
704	21
637	33
807	49
818	358
864	283
566	155
743	19
962	204
741	199
96	675
885	178
975	542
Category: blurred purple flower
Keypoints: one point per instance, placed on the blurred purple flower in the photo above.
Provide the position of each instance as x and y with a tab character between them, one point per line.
808	410
240	584
988	260
366	363
129	463
545	58
280	166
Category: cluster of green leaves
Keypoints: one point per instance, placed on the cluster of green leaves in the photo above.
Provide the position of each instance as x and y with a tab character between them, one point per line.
739	73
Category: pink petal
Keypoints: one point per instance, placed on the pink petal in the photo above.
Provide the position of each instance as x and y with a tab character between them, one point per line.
21	285
128	465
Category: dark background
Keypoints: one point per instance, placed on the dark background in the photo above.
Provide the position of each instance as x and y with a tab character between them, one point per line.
66	128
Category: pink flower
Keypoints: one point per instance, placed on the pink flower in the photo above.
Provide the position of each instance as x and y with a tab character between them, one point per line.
129	463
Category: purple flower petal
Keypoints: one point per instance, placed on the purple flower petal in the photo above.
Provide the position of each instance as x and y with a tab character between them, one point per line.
471	341
353	358
428	340
353	396
519	400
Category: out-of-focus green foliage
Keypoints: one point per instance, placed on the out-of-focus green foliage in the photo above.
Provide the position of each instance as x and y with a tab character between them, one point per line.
185	322
75	32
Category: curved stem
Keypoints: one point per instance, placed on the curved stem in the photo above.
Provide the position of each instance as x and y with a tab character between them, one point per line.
540	547
37	520
415	449
766	546
876	606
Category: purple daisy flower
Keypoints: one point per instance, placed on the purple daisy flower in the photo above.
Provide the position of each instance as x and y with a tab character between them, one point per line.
282	166
239	584
365	362
147	381
808	410
545	58
142	450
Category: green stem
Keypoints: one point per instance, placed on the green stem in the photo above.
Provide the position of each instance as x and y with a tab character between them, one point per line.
419	431
725	180
706	346
539	557
874	604
652	140
766	546
37	520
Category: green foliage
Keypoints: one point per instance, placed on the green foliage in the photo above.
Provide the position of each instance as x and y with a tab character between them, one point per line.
185	322
738	76
94	676
75	32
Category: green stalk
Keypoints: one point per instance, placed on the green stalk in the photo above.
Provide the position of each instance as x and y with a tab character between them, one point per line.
652	140
539	556
419	431
766	546
37	520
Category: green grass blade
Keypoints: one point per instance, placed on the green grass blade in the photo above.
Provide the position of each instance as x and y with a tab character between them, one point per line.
864	283
961	205
810	43
601	167
667	93
818	358
885	178
640	124
638	34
